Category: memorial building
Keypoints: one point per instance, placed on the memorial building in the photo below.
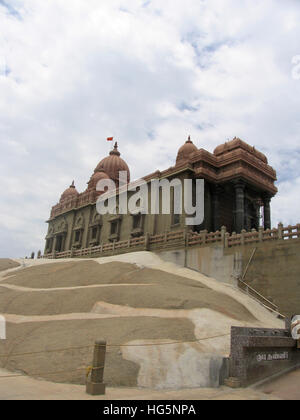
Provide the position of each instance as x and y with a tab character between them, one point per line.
238	188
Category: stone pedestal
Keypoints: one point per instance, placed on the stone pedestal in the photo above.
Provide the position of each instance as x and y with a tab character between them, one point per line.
94	383
93	388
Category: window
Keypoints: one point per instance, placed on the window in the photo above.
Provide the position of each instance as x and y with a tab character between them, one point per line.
77	235
94	232
176	219
59	243
113	228
136	224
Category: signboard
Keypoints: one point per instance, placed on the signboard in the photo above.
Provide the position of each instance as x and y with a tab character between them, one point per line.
259	353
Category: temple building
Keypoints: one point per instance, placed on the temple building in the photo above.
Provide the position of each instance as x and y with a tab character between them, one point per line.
239	186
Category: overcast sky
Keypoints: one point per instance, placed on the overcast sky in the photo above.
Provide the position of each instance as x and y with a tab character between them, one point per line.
149	73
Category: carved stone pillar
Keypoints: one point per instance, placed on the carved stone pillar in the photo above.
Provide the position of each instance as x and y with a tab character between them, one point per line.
239	206
216	192
257	211
267	212
54	244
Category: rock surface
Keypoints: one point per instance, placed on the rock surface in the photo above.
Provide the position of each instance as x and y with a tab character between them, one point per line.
166	327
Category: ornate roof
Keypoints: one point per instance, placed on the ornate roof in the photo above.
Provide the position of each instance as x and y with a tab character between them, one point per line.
113	164
69	193
237	143
186	151
95	178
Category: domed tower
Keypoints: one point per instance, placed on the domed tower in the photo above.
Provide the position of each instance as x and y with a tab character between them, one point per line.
95	178
69	193
185	151
112	165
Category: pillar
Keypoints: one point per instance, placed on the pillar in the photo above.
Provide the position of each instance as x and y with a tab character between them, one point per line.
239	206
147	241
267	212
54	244
94	384
63	242
216	191
257	209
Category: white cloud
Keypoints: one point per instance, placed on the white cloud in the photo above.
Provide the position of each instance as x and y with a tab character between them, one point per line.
149	73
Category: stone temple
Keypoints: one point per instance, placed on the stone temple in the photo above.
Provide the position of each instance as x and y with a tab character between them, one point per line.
239	186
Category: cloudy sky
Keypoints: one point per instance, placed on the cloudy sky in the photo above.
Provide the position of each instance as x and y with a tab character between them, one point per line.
149	73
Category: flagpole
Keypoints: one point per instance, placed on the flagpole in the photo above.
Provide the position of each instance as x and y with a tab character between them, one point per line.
110	139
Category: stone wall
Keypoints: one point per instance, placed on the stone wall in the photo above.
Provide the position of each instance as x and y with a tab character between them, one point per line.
274	271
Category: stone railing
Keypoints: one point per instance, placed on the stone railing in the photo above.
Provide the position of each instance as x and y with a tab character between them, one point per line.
224	238
109	248
182	239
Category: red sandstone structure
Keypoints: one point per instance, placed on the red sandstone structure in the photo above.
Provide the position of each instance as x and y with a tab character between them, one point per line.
238	184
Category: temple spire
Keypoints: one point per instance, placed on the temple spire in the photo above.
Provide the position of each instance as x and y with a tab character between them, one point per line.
115	150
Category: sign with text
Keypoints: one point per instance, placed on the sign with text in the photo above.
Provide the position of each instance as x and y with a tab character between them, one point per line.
258	353
270	357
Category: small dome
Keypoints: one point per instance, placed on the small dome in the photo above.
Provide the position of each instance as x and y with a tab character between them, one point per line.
113	164
185	151
95	178
70	192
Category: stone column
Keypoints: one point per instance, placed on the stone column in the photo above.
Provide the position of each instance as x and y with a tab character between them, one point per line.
216	191
257	209
147	241
54	244
267	212
63	242
239	206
